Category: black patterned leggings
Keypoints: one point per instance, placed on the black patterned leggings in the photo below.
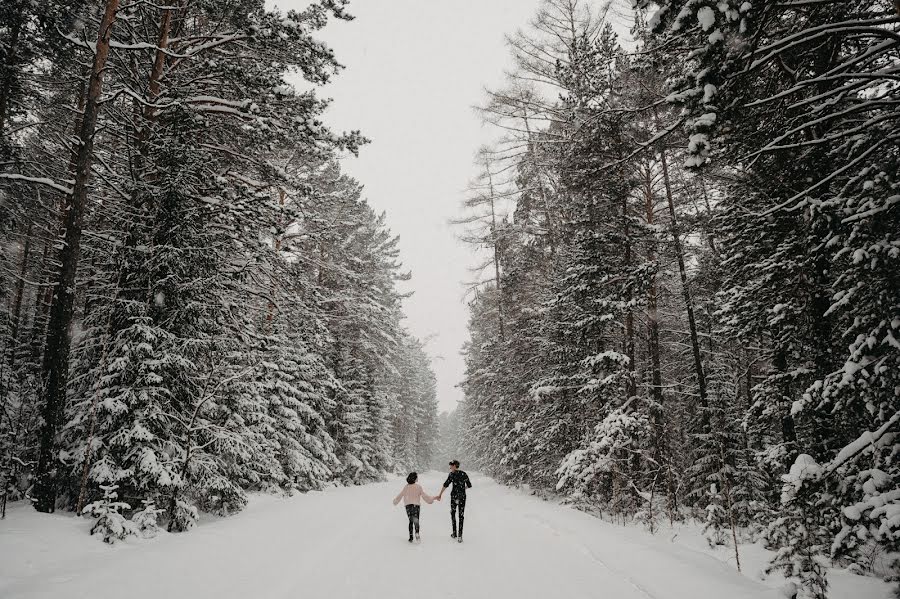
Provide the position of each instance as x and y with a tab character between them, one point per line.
412	512
457	502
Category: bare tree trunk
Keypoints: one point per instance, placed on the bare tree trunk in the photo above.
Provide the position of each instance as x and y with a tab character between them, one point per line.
686	293
153	89
655	360
629	312
56	349
49	270
652	315
159	61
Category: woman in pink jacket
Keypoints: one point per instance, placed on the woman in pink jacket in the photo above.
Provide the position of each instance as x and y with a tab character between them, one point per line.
411	494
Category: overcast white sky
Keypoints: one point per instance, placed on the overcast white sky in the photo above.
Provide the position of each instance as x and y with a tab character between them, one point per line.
414	69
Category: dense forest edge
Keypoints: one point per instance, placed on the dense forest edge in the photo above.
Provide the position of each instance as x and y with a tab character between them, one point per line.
199	303
689	305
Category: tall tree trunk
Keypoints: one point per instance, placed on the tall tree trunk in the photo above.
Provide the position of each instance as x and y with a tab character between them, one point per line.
56	348
686	293
629	312
660	442
652	315
143	120
50	270
146	115
496	246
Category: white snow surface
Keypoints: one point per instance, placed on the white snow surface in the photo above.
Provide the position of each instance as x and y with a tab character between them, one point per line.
351	542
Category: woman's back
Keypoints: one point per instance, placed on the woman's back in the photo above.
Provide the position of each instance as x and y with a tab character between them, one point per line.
413	494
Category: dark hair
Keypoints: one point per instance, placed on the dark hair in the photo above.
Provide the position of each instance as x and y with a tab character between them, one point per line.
413	477
454	463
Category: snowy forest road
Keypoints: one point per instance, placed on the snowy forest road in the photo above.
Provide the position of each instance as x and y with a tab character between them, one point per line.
350	542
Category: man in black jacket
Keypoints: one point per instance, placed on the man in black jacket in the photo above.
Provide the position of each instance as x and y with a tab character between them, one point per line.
460	481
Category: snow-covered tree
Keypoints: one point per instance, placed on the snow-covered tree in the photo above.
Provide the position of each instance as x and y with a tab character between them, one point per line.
232	327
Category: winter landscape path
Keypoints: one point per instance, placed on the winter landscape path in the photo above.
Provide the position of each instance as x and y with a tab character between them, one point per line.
351	542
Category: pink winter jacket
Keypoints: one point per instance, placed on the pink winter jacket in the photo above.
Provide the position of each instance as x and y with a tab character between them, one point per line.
411	494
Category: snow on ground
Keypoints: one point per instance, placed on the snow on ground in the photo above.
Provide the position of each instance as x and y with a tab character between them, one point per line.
351	542
755	558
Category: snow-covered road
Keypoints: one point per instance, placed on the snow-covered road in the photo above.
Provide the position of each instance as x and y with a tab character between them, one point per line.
351	542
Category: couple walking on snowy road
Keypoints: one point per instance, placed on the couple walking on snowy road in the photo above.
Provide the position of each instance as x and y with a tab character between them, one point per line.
412	493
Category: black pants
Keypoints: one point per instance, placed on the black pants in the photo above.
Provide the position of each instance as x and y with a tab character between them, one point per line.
412	512
457	502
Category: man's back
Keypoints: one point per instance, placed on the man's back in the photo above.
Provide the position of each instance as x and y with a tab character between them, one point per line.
460	481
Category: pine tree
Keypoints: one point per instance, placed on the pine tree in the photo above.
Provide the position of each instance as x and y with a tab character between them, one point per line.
111	524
